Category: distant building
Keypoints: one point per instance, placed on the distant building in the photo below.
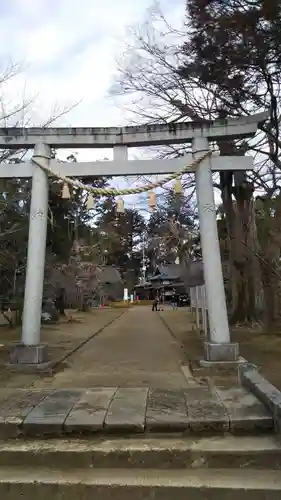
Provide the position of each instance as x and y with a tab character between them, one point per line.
169	277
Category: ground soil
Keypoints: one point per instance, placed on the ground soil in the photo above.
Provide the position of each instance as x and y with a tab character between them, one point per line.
61	338
258	347
136	350
140	348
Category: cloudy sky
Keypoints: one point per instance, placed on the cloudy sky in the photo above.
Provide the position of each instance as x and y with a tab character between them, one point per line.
68	51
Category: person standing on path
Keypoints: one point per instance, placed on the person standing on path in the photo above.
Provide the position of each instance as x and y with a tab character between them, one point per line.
174	300
162	301
155	304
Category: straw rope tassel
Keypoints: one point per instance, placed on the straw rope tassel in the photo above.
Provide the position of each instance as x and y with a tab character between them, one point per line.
152	200
90	202
65	192
178	187
120	206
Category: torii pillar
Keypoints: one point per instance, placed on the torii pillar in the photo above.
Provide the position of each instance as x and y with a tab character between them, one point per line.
219	348
30	352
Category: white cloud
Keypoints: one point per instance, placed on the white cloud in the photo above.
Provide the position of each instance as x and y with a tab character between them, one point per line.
69	50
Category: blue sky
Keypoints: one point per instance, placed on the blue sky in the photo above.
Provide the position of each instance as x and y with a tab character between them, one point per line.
67	50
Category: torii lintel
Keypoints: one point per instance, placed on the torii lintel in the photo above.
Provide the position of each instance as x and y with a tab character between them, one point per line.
143	135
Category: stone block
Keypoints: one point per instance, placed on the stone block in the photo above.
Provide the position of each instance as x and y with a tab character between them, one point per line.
89	413
127	409
221	352
229	365
29	354
50	314
48	417
206	412
15	407
247	414
267	393
166	411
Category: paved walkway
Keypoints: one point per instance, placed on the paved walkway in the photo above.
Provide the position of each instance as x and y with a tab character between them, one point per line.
136	350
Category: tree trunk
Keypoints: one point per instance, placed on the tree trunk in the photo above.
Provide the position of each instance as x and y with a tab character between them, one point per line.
245	261
269	234
240	225
271	299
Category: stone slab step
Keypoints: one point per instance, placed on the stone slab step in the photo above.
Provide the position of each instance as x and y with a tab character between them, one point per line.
108	410
122	484
223	452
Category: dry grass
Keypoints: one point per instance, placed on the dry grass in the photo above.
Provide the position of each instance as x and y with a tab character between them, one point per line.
61	338
181	325
260	348
121	305
126	305
263	349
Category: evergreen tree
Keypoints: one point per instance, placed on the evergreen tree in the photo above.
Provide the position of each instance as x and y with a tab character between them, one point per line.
233	51
120	238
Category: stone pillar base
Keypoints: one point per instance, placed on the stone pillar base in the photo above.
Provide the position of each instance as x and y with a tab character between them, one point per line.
221	352
30	358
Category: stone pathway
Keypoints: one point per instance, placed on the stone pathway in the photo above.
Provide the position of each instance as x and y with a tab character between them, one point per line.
136	350
130	410
128	379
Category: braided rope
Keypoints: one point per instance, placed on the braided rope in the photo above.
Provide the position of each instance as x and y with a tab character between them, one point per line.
123	192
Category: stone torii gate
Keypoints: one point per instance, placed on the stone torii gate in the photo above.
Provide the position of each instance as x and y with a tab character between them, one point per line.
220	348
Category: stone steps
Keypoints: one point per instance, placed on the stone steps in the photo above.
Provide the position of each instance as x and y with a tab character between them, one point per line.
168	452
139	484
225	467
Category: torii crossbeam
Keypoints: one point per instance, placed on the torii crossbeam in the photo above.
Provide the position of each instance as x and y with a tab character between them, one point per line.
126	167
219	348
